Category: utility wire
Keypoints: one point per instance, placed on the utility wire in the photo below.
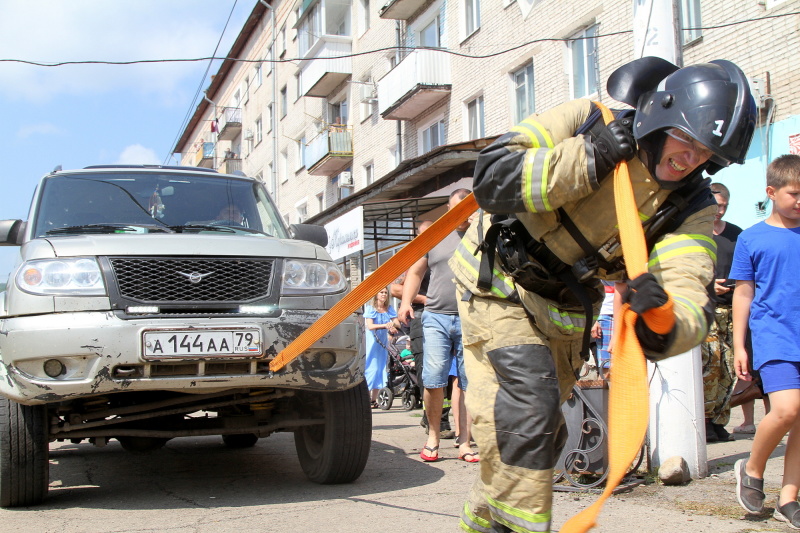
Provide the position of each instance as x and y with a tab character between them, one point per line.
190	111
378	50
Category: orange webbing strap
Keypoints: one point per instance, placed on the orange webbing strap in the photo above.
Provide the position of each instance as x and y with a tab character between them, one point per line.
383	276
626	424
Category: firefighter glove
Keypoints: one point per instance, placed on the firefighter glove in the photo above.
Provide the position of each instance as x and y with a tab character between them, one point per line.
645	293
611	145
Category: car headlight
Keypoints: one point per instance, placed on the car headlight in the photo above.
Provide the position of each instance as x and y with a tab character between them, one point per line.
311	277
78	276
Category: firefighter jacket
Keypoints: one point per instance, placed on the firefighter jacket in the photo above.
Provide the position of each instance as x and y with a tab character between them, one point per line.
541	165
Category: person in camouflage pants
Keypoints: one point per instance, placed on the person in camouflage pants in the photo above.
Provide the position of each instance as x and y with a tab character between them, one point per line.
719	377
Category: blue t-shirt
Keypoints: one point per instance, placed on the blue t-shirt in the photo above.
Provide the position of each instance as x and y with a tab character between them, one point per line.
770	257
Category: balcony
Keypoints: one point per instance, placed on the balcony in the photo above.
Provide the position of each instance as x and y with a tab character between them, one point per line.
400	9
230	123
331	152
230	164
205	157
418	82
319	76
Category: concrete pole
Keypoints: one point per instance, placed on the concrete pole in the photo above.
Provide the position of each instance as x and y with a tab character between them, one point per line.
677	417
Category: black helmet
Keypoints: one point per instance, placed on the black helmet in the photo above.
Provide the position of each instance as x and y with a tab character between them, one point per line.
710	101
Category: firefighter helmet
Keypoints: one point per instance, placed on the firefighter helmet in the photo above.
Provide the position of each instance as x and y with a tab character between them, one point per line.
709	101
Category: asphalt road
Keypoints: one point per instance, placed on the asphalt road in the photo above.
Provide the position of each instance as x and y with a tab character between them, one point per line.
197	485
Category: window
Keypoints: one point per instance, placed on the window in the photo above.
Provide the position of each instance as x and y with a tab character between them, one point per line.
299	86
429	35
523	92
321	202
690	18
301	153
259	133
237	98
369	174
583	54
268	64
257	75
286	218
246	89
302	211
284	102
363	16
337	113
283	41
310	29
284	166
475	125
472	16
269	117
433	136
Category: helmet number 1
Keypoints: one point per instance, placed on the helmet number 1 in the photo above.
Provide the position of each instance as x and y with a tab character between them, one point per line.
718	131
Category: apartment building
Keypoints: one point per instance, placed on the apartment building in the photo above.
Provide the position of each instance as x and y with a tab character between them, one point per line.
381	106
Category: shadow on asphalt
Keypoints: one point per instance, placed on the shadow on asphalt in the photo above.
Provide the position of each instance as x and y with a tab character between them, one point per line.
202	472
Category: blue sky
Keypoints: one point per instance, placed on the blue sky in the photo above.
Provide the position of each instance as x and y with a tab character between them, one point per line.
79	115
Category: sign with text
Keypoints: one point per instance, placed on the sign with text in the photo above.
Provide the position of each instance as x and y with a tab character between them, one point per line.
346	234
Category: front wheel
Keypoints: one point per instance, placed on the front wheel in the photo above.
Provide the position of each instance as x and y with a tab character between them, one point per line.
24	454
337	450
385	398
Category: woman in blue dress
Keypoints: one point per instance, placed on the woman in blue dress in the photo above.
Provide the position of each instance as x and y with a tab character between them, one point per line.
378	316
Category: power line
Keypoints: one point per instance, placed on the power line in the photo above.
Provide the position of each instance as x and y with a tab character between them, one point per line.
377	50
189	111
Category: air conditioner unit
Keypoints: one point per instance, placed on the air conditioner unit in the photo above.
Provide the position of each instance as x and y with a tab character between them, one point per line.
368	91
346	179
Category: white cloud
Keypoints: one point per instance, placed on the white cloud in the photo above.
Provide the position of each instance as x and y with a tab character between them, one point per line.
122	30
136	154
43	128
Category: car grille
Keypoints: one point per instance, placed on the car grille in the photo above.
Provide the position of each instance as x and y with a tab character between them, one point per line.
170	279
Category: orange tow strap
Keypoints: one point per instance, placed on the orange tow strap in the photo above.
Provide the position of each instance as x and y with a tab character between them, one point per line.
383	276
626	424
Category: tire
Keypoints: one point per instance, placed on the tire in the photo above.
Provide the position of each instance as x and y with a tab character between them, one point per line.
142	444
337	451
24	454
409	400
385	398
240	440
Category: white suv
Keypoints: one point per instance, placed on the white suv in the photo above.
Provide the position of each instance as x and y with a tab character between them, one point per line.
147	304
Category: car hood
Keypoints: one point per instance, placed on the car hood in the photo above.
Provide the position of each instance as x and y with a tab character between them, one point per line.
170	244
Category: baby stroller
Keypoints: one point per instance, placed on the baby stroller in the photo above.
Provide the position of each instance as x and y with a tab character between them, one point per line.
401	379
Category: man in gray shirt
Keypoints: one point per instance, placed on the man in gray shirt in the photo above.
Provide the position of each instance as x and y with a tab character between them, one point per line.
442	336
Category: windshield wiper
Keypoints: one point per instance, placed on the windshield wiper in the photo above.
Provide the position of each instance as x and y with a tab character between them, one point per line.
108	228
200	227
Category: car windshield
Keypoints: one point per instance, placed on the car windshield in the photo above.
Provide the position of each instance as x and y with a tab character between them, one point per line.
151	202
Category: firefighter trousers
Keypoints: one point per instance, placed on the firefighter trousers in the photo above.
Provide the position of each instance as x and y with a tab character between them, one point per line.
517	381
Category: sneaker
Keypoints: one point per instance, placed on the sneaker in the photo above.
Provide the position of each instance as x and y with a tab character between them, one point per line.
447	434
746	429
722	433
749	490
711	435
789	513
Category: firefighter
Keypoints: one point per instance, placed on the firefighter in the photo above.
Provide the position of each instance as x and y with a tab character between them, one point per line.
528	274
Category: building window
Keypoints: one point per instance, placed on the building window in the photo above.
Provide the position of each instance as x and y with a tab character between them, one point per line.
690	18
369	174
246	89
269	117
301	152
283	41
472	16
283	169
257	75
475	118
337	113
299	86
433	136
429	34
259	133
523	92
583	54
302	211
364	21
271	57
321	202
284	102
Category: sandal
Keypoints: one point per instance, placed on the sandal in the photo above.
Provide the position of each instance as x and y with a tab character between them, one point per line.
373	405
470	457
745	429
429	458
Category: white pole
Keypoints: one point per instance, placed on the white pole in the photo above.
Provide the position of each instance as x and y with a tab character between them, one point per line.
677	416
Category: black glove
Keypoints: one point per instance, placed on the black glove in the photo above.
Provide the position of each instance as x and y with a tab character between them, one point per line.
614	143
644	293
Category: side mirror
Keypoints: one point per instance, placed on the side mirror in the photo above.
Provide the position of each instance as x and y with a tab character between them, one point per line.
310	233
11	232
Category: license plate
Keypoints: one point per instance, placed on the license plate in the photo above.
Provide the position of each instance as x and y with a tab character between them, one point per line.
202	343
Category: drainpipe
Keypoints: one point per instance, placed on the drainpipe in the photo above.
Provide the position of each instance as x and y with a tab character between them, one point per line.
274	128
216	133
399	154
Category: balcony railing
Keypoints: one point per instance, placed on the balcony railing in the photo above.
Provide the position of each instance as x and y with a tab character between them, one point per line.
330	152
230	123
205	156
419	81
319	75
230	164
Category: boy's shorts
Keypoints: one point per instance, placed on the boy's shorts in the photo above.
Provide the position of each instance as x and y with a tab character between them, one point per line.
780	375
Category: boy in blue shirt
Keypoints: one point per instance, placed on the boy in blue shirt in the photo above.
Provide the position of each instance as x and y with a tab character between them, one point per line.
765	265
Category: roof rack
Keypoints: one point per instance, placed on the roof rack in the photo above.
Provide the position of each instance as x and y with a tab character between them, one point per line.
165	167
